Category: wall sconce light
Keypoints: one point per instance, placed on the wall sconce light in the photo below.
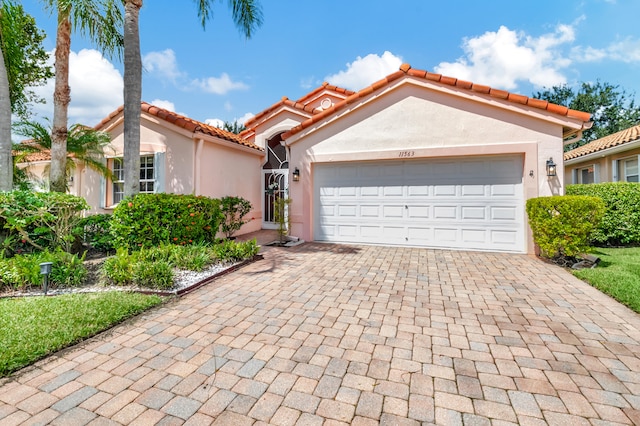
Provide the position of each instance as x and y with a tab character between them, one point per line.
551	167
45	270
296	175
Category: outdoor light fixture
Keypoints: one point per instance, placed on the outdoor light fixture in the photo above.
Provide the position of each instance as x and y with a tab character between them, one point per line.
45	270
551	167
296	175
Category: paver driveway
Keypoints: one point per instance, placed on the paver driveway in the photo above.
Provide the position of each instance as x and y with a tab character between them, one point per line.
323	334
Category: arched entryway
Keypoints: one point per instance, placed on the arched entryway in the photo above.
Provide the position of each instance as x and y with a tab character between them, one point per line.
275	180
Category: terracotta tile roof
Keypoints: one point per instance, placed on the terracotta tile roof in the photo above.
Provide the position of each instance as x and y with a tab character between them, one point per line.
627	135
186	123
301	104
42	155
405	69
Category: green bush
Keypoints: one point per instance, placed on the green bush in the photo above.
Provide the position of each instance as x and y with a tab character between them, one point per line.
32	221
95	231
621	222
23	271
153	274
149	220
562	225
231	251
118	269
233	209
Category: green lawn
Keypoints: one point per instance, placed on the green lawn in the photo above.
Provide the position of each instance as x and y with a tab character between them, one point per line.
33	327
617	274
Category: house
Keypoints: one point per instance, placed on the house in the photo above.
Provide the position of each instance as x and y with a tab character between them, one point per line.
613	158
416	159
177	155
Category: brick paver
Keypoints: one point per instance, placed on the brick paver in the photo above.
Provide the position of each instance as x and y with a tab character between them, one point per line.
335	334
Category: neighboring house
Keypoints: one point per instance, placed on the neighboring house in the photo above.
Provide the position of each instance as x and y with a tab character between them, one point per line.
613	158
177	155
416	159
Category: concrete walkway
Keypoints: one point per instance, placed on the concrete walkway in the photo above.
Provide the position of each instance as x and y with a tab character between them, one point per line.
329	334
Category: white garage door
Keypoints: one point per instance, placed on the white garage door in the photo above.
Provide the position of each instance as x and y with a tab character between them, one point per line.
457	203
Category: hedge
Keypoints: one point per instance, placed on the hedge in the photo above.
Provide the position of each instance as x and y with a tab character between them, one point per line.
562	225
621	222
149	220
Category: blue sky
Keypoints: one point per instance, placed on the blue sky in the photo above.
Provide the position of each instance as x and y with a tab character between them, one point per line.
216	74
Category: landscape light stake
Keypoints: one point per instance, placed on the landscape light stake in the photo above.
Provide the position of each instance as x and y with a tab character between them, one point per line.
45	270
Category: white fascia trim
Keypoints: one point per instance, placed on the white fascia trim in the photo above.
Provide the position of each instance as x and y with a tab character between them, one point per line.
609	151
228	144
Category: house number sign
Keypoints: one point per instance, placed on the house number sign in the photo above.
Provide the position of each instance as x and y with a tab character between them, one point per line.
406	154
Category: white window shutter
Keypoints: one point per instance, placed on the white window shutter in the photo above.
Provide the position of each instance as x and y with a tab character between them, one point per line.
103	192
596	173
614	171
158	172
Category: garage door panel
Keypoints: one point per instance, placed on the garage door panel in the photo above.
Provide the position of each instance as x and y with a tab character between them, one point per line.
393	212
463	203
474	212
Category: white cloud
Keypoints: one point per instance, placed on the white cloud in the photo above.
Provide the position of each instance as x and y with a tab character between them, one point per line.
215	122
364	71
163	63
502	59
96	89
245	117
219	85
161	103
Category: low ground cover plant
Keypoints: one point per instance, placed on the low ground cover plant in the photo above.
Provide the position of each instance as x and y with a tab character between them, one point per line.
620	224
562	225
22	272
153	267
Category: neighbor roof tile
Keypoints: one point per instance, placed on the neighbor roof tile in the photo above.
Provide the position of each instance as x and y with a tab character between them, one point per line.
624	136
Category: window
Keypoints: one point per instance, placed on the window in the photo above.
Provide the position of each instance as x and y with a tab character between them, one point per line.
629	168
147	177
585	175
118	180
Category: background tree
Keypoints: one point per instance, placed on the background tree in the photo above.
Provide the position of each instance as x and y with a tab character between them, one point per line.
85	146
610	107
22	65
233	127
101	21
247	15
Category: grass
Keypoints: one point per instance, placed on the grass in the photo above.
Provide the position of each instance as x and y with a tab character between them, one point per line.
617	274
33	327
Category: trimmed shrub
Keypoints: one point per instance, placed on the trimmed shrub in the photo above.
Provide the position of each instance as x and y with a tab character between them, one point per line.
621	222
95	231
38	220
234	209
23	271
149	220
562	225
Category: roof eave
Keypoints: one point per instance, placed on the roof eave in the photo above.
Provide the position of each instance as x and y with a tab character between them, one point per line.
604	152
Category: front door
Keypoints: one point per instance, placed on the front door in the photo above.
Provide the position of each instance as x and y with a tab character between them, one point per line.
275	185
275	181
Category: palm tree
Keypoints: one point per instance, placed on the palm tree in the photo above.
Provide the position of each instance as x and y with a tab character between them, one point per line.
101	20
6	177
247	15
85	146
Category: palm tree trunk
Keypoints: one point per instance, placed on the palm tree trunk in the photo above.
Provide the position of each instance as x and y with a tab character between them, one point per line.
6	161
61	100
132	97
